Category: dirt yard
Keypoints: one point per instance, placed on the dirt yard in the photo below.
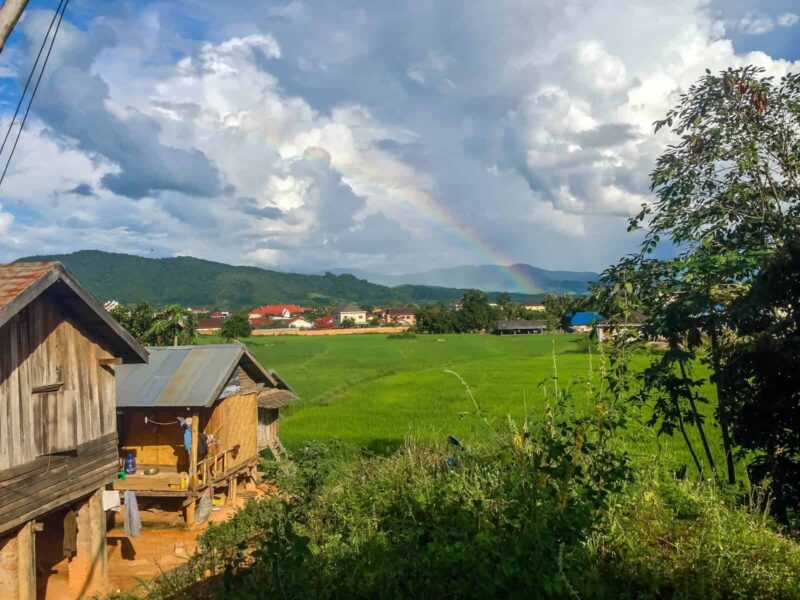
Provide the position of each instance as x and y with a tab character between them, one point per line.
130	560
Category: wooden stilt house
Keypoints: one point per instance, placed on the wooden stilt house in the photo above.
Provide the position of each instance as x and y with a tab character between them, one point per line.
59	350
213	392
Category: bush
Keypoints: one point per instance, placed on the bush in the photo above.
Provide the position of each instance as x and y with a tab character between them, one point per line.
671	538
403	335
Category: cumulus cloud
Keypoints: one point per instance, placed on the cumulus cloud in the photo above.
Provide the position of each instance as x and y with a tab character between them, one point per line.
383	137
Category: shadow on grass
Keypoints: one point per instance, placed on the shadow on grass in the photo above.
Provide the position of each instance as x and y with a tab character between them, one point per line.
382	446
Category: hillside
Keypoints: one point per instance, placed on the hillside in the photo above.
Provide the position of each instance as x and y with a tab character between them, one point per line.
192	281
518	278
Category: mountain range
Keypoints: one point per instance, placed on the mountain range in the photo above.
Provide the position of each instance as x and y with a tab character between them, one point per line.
518	278
194	282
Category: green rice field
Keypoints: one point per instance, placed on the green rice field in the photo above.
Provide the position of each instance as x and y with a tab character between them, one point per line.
371	392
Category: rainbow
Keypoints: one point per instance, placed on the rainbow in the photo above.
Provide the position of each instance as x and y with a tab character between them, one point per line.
444	219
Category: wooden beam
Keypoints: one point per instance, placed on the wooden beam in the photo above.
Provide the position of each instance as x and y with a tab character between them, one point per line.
47	389
114	360
9	15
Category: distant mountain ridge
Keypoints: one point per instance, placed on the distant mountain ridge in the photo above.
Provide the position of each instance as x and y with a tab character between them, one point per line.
195	282
518	278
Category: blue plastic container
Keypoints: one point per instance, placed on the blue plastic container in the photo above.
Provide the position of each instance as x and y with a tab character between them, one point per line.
130	464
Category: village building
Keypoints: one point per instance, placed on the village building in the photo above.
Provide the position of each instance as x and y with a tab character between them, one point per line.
198	416
612	327
533	306
520	327
349	311
198	310
325	322
58	441
209	325
583	322
275	310
110	305
401	316
300	323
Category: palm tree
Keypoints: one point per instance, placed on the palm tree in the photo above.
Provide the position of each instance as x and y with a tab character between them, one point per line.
172	323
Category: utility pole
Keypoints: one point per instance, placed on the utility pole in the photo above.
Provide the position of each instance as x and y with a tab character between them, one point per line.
9	15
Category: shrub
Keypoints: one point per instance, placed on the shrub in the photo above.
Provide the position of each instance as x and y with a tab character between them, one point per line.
673	538
403	335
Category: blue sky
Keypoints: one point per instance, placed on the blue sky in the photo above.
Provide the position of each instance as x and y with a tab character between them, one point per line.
384	136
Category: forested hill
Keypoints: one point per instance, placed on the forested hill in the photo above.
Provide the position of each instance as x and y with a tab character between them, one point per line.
193	282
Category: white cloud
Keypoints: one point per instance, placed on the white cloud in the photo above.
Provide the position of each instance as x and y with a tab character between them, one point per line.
392	137
755	24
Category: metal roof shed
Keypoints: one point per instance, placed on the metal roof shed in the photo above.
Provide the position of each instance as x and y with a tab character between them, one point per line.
232	400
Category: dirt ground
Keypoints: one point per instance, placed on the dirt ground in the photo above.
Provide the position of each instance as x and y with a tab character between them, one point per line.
130	560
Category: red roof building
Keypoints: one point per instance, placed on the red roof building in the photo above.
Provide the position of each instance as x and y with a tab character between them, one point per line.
324	322
275	310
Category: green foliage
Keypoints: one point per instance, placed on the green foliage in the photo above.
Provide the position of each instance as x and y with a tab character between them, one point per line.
473	315
557	307
163	326
543	511
236	326
348	323
764	381
403	335
670	538
726	200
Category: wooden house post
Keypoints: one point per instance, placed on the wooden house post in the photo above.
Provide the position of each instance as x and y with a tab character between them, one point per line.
88	570
191	502
18	564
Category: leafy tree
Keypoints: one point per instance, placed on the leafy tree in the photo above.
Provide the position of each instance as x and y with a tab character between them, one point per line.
136	318
348	323
236	326
172	324
726	200
764	380
475	313
557	307
169	325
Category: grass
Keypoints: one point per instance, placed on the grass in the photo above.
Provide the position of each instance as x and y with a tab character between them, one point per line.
373	392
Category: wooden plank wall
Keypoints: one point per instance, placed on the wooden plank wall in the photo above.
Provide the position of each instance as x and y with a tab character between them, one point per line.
248	385
267	426
42	346
37	487
234	421
154	444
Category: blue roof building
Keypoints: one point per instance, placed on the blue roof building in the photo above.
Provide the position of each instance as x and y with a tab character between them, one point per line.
584	319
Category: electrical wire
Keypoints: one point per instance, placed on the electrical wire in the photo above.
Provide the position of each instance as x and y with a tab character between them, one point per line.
30	77
63	6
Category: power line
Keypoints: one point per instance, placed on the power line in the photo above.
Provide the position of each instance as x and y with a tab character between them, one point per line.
62	7
30	77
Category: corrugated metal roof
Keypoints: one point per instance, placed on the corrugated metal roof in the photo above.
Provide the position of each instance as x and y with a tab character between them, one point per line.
521	324
185	375
15	278
178	376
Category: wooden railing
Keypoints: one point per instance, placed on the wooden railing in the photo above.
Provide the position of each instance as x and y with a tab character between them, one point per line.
214	466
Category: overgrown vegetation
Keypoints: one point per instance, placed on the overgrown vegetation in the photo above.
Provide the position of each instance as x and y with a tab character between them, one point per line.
165	326
545	510
727	206
236	326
